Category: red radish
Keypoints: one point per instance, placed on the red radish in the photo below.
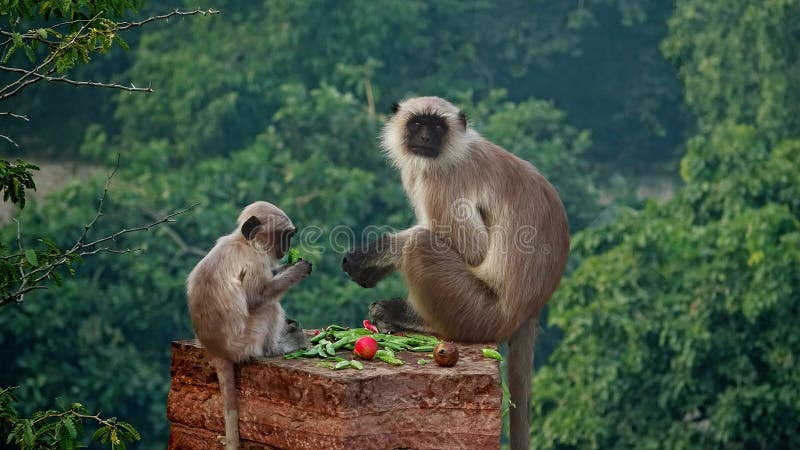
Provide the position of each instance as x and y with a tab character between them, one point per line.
365	347
368	325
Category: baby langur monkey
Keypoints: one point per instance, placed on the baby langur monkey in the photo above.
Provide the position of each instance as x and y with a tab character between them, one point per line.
234	299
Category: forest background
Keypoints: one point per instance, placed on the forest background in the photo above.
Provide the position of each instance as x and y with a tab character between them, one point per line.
671	130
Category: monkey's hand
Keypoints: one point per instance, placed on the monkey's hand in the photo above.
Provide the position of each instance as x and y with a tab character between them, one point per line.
364	266
285	279
302	267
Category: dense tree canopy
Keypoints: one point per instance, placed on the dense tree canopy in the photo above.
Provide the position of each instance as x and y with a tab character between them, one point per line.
680	323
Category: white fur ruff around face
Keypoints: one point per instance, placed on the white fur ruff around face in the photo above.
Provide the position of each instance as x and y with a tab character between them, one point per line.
454	148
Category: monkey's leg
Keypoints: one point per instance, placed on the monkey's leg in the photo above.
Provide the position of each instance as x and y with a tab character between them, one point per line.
396	315
292	338
446	295
262	331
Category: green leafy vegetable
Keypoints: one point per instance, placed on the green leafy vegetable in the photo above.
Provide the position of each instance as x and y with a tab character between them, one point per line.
293	256
335	338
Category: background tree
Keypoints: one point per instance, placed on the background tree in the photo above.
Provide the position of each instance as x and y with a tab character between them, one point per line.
680	322
55	37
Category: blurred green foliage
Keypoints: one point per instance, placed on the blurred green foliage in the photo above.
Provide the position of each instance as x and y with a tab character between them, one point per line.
680	324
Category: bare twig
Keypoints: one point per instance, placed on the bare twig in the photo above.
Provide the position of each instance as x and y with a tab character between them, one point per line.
128	25
76	82
169	218
16	116
303	199
4	137
99	212
185	248
370	99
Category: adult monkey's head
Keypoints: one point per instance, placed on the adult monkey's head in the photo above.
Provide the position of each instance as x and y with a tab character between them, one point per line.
426	133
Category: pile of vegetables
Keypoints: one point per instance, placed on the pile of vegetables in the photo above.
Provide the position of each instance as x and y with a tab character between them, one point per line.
366	343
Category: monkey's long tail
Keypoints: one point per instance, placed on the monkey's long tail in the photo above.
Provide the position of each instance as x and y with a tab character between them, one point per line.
230	400
520	365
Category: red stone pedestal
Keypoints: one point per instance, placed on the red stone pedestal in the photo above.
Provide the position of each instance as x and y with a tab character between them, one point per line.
296	404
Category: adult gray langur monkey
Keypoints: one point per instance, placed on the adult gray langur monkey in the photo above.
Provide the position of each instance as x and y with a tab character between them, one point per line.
234	297
489	248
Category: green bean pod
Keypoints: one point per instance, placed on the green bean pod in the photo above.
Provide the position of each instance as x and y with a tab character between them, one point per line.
344	341
295	354
356	364
387	356
491	353
341	365
421	337
313	351
423	348
390	346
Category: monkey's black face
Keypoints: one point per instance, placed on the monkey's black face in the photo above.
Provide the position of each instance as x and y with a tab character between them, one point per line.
425	135
283	242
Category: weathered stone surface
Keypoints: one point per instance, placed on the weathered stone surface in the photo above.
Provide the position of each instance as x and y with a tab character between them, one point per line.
299	405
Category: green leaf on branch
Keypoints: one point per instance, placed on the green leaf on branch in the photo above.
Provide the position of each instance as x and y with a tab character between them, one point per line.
30	256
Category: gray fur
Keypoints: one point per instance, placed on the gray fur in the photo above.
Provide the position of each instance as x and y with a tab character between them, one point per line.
234	300
489	248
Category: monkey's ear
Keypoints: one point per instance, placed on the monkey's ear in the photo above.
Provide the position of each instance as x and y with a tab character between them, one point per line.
462	118
395	107
249	226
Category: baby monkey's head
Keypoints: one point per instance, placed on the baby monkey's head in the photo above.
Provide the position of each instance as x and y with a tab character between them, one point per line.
266	228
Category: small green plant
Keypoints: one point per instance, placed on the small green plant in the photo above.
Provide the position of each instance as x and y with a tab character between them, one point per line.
61	429
507	404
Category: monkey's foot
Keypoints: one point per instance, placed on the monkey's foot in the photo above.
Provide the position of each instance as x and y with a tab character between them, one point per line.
221	439
395	316
292	338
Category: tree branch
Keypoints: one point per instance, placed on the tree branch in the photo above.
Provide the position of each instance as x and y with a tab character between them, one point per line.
3	92
35	74
16	116
76	82
4	137
185	248
122	26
